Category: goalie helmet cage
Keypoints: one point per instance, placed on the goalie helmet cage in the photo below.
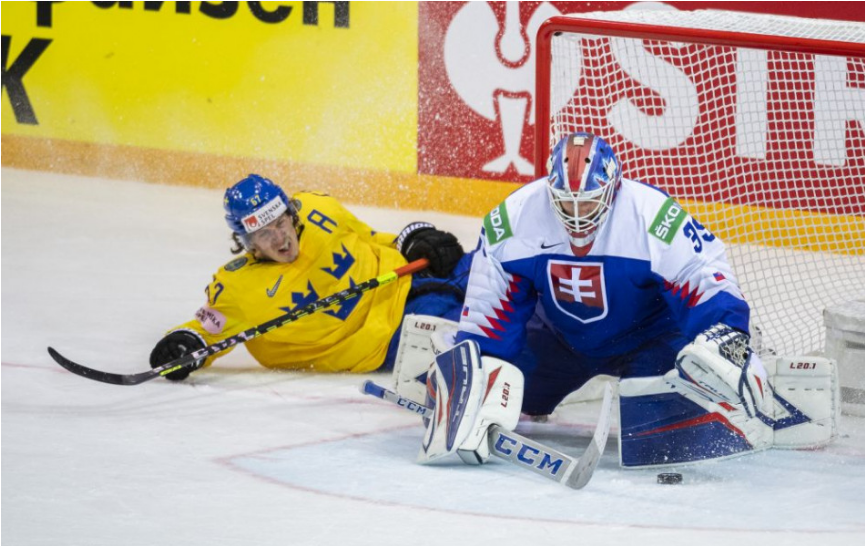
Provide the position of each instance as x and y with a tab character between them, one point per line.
755	123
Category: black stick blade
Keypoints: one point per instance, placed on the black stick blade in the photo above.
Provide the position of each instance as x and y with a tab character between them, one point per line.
104	377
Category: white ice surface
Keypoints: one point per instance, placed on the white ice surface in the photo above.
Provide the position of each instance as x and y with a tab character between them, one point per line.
241	455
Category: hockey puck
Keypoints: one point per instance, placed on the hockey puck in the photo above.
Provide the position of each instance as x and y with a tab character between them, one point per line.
670	478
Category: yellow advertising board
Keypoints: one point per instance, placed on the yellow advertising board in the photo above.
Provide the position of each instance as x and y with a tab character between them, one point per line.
327	83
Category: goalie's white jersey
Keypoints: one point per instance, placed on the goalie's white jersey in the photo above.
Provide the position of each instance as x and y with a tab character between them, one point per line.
652	269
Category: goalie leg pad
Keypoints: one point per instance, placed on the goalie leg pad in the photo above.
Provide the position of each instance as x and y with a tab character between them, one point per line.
806	401
468	394
416	352
663	424
455	394
503	398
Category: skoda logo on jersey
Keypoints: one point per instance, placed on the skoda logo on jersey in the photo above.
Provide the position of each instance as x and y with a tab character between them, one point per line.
578	289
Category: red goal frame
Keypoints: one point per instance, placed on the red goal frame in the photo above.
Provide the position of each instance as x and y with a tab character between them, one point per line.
618	29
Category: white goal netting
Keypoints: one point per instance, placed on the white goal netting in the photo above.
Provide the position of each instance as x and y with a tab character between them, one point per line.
755	123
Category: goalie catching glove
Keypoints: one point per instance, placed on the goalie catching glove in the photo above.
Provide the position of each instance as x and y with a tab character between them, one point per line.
173	346
423	240
468	394
720	366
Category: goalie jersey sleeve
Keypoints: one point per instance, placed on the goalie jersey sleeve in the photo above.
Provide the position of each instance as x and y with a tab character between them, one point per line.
337	251
653	270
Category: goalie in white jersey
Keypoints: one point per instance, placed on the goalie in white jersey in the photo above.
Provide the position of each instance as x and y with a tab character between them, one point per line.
584	273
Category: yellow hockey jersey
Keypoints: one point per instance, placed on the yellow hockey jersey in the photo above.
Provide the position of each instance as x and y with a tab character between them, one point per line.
336	252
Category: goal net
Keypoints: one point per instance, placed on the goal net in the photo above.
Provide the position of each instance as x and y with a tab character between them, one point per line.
755	123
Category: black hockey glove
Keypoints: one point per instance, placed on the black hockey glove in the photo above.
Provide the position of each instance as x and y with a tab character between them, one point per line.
173	346
423	240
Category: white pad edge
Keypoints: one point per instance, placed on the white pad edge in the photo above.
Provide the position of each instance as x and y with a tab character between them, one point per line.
810	385
415	354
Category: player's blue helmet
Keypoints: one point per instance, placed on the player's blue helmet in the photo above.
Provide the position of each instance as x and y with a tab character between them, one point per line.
584	177
253	203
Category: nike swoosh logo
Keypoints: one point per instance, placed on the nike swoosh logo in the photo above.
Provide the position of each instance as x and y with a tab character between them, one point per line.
544	246
272	291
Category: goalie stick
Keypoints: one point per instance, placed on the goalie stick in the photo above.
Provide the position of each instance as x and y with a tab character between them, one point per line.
188	360
524	452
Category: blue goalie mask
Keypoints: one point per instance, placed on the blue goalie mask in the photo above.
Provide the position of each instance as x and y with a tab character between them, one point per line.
584	178
252	204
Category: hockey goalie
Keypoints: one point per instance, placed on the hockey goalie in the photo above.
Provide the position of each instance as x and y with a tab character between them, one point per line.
585	273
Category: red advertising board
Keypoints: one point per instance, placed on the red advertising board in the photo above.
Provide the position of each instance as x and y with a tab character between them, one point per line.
476	78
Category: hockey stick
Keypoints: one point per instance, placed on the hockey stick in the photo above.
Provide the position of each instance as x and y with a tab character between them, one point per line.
524	452
186	361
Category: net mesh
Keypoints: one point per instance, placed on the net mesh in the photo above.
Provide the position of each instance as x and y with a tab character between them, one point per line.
765	147
731	21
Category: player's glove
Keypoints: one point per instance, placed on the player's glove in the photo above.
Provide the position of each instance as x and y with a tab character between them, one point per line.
720	365
423	240
173	346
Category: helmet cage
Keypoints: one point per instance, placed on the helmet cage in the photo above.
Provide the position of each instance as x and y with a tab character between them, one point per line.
584	173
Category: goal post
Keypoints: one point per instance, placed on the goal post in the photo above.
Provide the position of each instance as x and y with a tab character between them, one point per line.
756	123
